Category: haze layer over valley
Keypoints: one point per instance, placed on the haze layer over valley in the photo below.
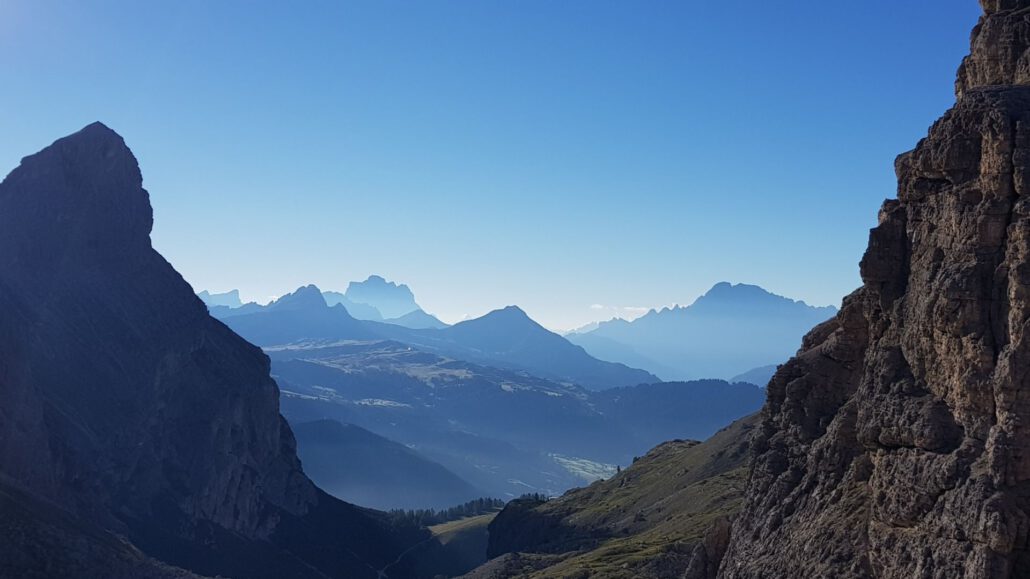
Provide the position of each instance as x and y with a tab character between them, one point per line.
502	403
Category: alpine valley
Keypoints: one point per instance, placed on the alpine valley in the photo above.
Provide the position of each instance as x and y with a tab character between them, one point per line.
149	430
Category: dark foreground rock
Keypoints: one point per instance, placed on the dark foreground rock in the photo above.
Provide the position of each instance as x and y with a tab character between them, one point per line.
134	428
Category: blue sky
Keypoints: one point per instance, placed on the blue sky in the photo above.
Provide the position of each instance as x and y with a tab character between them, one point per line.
555	155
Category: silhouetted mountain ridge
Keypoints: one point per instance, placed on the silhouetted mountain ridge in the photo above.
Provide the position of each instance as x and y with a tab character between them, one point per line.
390	299
130	412
505	338
728	330
418	320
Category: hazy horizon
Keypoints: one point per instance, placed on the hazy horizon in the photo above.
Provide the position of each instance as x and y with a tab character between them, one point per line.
582	161
606	313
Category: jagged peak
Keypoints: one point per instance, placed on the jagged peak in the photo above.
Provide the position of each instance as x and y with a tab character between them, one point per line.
304	297
375	281
510	312
999	51
509	316
993	6
94	200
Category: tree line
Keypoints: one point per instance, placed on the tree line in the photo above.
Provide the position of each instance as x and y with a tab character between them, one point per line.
430	517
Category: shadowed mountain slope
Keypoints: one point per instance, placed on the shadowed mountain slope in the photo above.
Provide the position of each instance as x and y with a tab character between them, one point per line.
124	404
363	468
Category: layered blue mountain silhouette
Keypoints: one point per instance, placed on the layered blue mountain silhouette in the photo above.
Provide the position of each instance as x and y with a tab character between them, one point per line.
727	331
229	299
358	310
505	338
374	299
391	300
417	320
759	376
504	431
500	401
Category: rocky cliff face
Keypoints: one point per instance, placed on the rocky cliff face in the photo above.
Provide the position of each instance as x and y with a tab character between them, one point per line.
126	406
896	443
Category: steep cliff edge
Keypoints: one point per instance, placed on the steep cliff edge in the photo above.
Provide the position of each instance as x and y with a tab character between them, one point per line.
128	410
895	443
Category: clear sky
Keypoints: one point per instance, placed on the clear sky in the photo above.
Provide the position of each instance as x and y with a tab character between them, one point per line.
562	156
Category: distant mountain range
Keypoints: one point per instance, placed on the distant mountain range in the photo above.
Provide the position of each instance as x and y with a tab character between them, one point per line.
505	338
727	331
730	330
364	468
500	401
374	299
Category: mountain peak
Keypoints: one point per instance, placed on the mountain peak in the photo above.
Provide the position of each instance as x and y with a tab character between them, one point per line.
994	6
303	298
997	48
378	281
94	202
503	320
391	300
725	288
740	294
509	313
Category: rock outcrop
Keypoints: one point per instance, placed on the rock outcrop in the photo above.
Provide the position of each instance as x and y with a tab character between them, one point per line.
897	442
128	410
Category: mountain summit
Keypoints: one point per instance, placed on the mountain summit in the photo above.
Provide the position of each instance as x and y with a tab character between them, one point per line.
391	300
729	330
509	338
126	411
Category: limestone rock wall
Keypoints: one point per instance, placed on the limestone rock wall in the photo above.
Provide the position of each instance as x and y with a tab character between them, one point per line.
897	442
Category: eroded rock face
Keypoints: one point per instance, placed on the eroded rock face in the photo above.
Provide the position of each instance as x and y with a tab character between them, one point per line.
897	442
1000	52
